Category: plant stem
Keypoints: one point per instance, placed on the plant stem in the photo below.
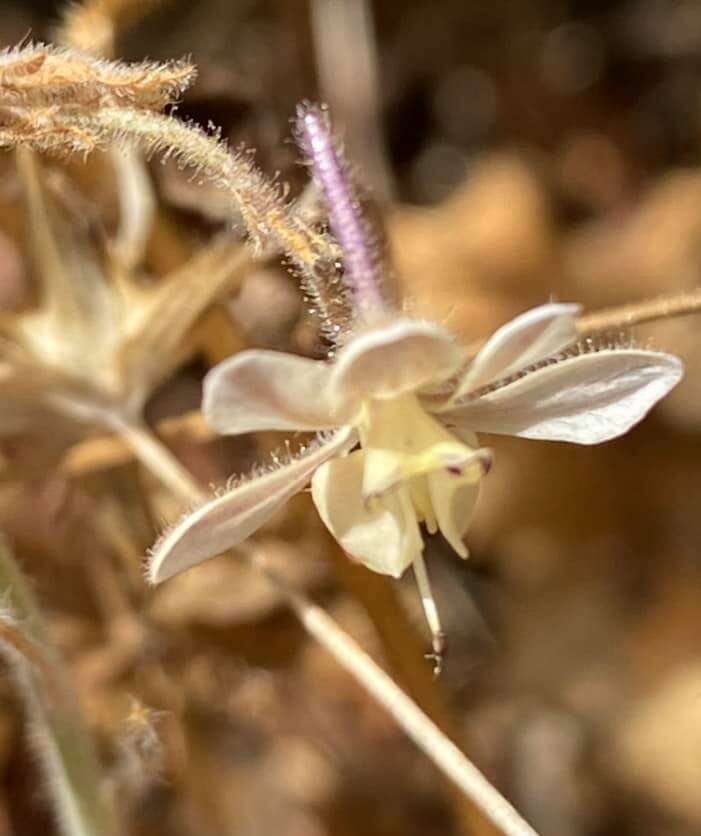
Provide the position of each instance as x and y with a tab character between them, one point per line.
422	730
625	316
404	647
158	459
320	626
58	734
621	317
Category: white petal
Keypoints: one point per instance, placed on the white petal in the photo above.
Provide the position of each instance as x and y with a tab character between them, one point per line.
400	357
229	519
453	500
267	390
534	335
383	534
584	399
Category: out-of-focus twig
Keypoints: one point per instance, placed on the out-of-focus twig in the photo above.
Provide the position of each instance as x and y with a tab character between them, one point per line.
346	58
93	25
107	451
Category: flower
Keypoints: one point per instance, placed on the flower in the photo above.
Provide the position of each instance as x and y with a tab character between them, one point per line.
403	391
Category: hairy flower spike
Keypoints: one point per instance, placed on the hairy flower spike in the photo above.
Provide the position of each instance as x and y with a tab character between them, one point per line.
330	171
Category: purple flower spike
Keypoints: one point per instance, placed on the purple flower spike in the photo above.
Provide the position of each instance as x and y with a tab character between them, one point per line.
329	169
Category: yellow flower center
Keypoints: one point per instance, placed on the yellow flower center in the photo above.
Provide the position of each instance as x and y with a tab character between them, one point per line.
406	451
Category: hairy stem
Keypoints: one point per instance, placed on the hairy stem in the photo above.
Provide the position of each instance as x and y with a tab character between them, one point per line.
620	317
58	735
626	316
320	626
363	270
256	201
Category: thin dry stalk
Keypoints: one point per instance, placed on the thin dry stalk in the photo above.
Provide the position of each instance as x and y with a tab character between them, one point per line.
626	316
421	729
622	317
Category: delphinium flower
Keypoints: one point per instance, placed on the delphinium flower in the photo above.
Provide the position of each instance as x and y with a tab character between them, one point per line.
397	409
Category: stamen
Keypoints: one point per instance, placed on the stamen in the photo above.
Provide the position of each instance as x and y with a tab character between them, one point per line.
432	617
482	456
329	169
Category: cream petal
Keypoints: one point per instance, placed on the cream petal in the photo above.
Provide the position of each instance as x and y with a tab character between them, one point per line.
383	534
268	390
229	519
421	500
401	440
585	399
385	468
401	356
529	338
453	499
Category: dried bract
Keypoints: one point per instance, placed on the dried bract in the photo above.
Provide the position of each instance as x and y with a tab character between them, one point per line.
99	341
39	75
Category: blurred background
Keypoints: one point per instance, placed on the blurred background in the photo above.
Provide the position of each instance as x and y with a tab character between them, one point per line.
512	152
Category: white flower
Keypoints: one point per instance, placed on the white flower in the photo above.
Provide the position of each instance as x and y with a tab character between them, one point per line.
403	391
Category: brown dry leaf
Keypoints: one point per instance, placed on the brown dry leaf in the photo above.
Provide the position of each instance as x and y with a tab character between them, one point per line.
652	250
